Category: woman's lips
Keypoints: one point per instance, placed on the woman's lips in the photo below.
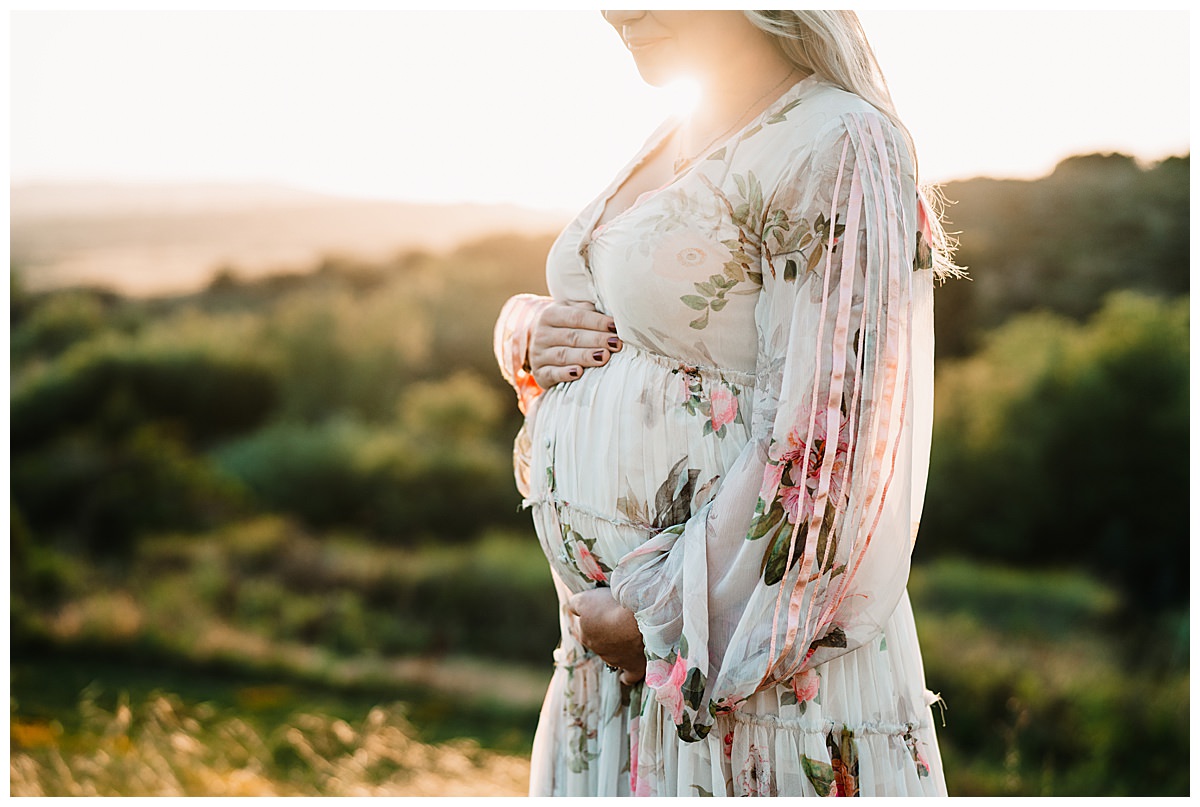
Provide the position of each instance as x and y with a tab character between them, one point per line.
641	44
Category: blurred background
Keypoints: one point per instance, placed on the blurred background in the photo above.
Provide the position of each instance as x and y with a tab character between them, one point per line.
264	533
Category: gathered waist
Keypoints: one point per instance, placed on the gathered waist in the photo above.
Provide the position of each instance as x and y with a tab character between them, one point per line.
675	364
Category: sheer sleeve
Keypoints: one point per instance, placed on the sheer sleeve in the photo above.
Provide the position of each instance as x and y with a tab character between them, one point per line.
510	341
803	552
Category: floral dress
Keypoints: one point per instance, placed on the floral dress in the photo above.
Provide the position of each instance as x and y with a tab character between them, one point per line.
747	473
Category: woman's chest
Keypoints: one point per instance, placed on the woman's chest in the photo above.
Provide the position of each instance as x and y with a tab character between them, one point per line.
681	274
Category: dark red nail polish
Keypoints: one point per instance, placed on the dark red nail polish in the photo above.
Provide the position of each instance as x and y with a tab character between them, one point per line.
598	355
573	372
613	342
612	328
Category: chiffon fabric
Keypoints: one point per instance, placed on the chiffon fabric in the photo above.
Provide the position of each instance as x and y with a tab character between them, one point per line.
747	473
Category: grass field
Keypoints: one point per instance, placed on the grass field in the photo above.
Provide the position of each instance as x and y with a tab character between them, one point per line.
1042	698
262	744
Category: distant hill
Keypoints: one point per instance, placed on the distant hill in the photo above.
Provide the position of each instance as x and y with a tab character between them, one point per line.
1097	223
152	239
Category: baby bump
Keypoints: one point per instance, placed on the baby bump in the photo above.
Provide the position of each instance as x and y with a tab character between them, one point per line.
630	449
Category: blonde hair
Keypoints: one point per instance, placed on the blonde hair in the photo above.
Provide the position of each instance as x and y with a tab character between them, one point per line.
833	45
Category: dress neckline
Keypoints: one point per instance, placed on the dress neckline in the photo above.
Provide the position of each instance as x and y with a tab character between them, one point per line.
668	129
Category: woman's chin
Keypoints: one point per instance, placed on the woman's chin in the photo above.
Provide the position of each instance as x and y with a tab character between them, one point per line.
655	72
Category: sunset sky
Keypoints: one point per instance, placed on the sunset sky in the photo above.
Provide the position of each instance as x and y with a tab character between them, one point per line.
537	108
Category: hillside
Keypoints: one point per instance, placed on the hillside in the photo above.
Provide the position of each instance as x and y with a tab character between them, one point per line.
157	239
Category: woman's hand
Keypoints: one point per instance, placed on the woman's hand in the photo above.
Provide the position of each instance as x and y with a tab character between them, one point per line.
567	338
610	631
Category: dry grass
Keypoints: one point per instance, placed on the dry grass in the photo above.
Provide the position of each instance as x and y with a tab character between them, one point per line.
163	747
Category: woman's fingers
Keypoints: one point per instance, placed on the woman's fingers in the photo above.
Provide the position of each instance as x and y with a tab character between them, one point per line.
631	677
547	376
580	342
567	339
578	317
609	630
563	354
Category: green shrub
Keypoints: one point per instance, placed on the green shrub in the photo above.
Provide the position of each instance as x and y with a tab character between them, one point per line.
1040	700
435	470
105	495
113	386
40	575
1067	445
342	352
56	322
488	598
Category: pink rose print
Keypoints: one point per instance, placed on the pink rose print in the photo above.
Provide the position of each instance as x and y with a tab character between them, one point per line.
790	498
772	476
922	764
806	685
724	706
589	565
914	748
755	777
667	682
684	391
724	406
804	463
728	743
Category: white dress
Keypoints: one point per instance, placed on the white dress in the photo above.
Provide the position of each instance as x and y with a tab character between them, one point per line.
777	292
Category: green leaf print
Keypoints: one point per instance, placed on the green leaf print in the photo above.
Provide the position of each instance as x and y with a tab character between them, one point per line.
827	536
781	115
843	758
775	561
702	792
684	729
924	255
756	195
814	259
836	637
765	522
794	240
673	499
713	290
849	750
746	213
777	221
693	688
819	773
826	234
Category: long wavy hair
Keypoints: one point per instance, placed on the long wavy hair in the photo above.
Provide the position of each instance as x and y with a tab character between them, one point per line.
833	45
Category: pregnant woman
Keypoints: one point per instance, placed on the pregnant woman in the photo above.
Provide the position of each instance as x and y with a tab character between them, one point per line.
728	403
